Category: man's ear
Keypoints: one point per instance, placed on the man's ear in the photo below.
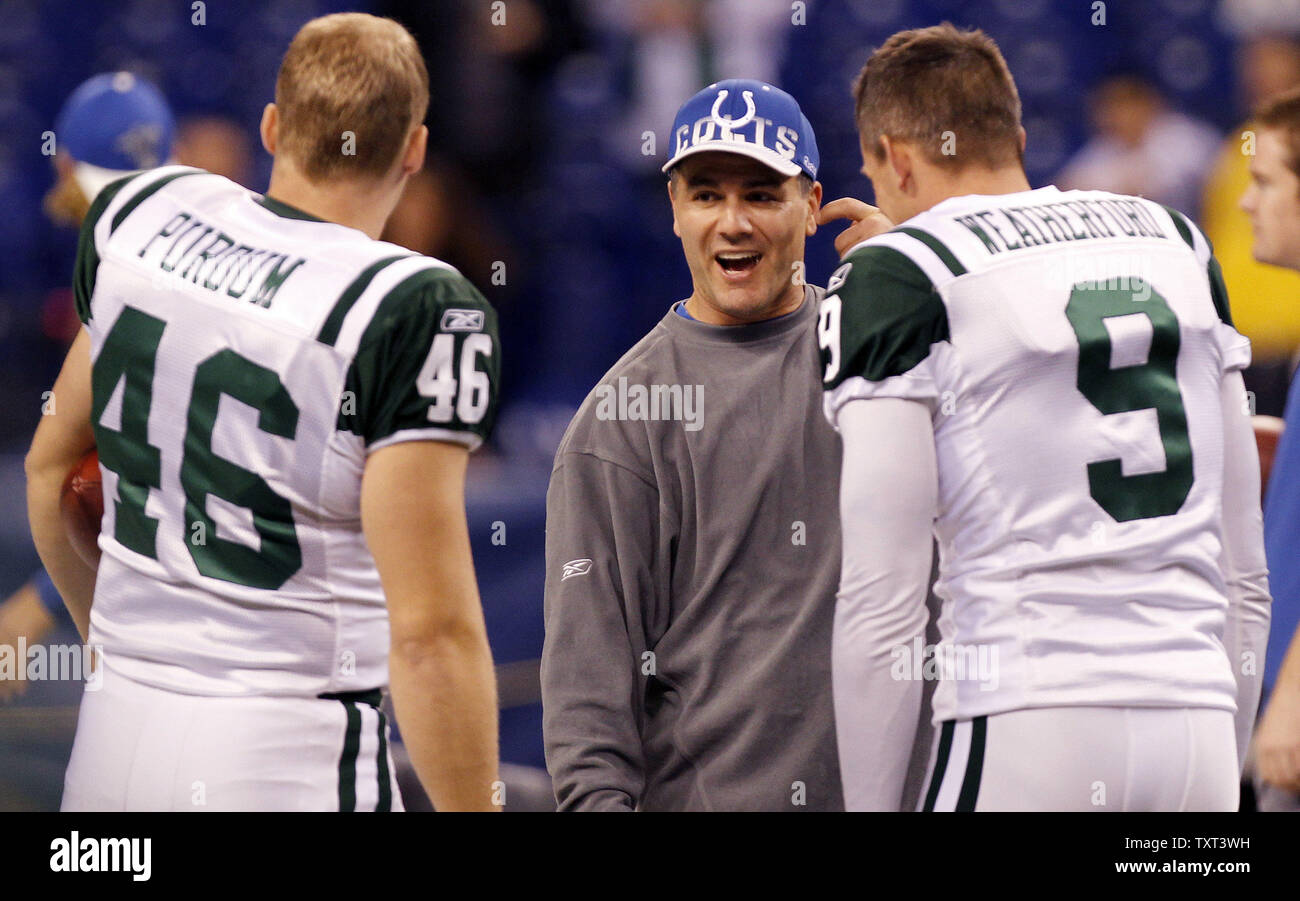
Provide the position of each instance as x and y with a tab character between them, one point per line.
416	147
898	159
814	204
676	229
1023	140
270	128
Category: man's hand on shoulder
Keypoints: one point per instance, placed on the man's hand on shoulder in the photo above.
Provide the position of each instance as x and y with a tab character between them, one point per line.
866	221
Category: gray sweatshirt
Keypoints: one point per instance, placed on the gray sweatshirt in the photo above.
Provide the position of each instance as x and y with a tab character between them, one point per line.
692	561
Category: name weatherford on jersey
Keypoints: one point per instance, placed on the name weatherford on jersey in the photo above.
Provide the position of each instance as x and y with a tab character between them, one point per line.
219	264
1066	220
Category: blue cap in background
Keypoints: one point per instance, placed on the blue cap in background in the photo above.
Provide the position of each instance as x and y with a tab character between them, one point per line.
749	117
116	122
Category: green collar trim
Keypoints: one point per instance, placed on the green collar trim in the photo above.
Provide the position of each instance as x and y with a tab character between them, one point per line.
288	212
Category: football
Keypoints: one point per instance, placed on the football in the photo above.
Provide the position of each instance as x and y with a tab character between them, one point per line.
1268	429
83	507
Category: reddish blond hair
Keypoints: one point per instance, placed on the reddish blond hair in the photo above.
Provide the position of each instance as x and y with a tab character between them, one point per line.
349	74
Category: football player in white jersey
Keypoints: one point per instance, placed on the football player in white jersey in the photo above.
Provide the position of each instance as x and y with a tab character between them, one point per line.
283	407
1050	382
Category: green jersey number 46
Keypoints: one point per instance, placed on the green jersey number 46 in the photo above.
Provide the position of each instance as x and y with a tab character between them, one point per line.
126	361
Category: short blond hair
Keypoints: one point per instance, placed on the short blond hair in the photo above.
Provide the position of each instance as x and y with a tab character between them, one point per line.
351	88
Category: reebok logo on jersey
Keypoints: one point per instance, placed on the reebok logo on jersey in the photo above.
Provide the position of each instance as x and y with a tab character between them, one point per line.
838	277
578	567
462	321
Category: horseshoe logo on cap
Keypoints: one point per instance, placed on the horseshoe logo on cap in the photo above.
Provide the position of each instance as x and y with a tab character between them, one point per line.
734	123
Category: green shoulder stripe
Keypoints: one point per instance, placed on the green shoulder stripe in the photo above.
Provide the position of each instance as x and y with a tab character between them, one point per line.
1219	292
87	264
448	284
943	253
890	315
329	332
130	206
413	354
1180	223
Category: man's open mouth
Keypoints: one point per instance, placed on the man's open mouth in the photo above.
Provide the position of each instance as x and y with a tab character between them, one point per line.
737	261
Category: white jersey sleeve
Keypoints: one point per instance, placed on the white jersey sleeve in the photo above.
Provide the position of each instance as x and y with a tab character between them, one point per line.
887	499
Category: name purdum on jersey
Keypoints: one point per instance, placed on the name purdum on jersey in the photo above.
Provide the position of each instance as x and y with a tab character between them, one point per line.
212	259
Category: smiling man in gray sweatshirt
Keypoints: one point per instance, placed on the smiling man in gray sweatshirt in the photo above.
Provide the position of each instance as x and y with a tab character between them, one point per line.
693	542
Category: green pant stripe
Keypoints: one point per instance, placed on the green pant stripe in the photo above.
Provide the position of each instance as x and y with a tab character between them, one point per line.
348	759
970	784
942	252
940	764
385	781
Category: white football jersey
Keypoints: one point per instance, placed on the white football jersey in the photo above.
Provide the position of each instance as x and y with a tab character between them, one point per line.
1071	346
246	358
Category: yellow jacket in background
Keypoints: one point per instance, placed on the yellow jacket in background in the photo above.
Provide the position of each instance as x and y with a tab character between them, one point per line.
1265	300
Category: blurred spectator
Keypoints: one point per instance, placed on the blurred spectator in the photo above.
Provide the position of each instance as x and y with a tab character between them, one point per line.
1254	17
1273	204
1263	297
491	69
112	125
218	145
30	614
441	215
1142	147
673	48
489	73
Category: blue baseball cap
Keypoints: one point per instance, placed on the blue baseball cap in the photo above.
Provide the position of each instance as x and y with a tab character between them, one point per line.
749	117
112	124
